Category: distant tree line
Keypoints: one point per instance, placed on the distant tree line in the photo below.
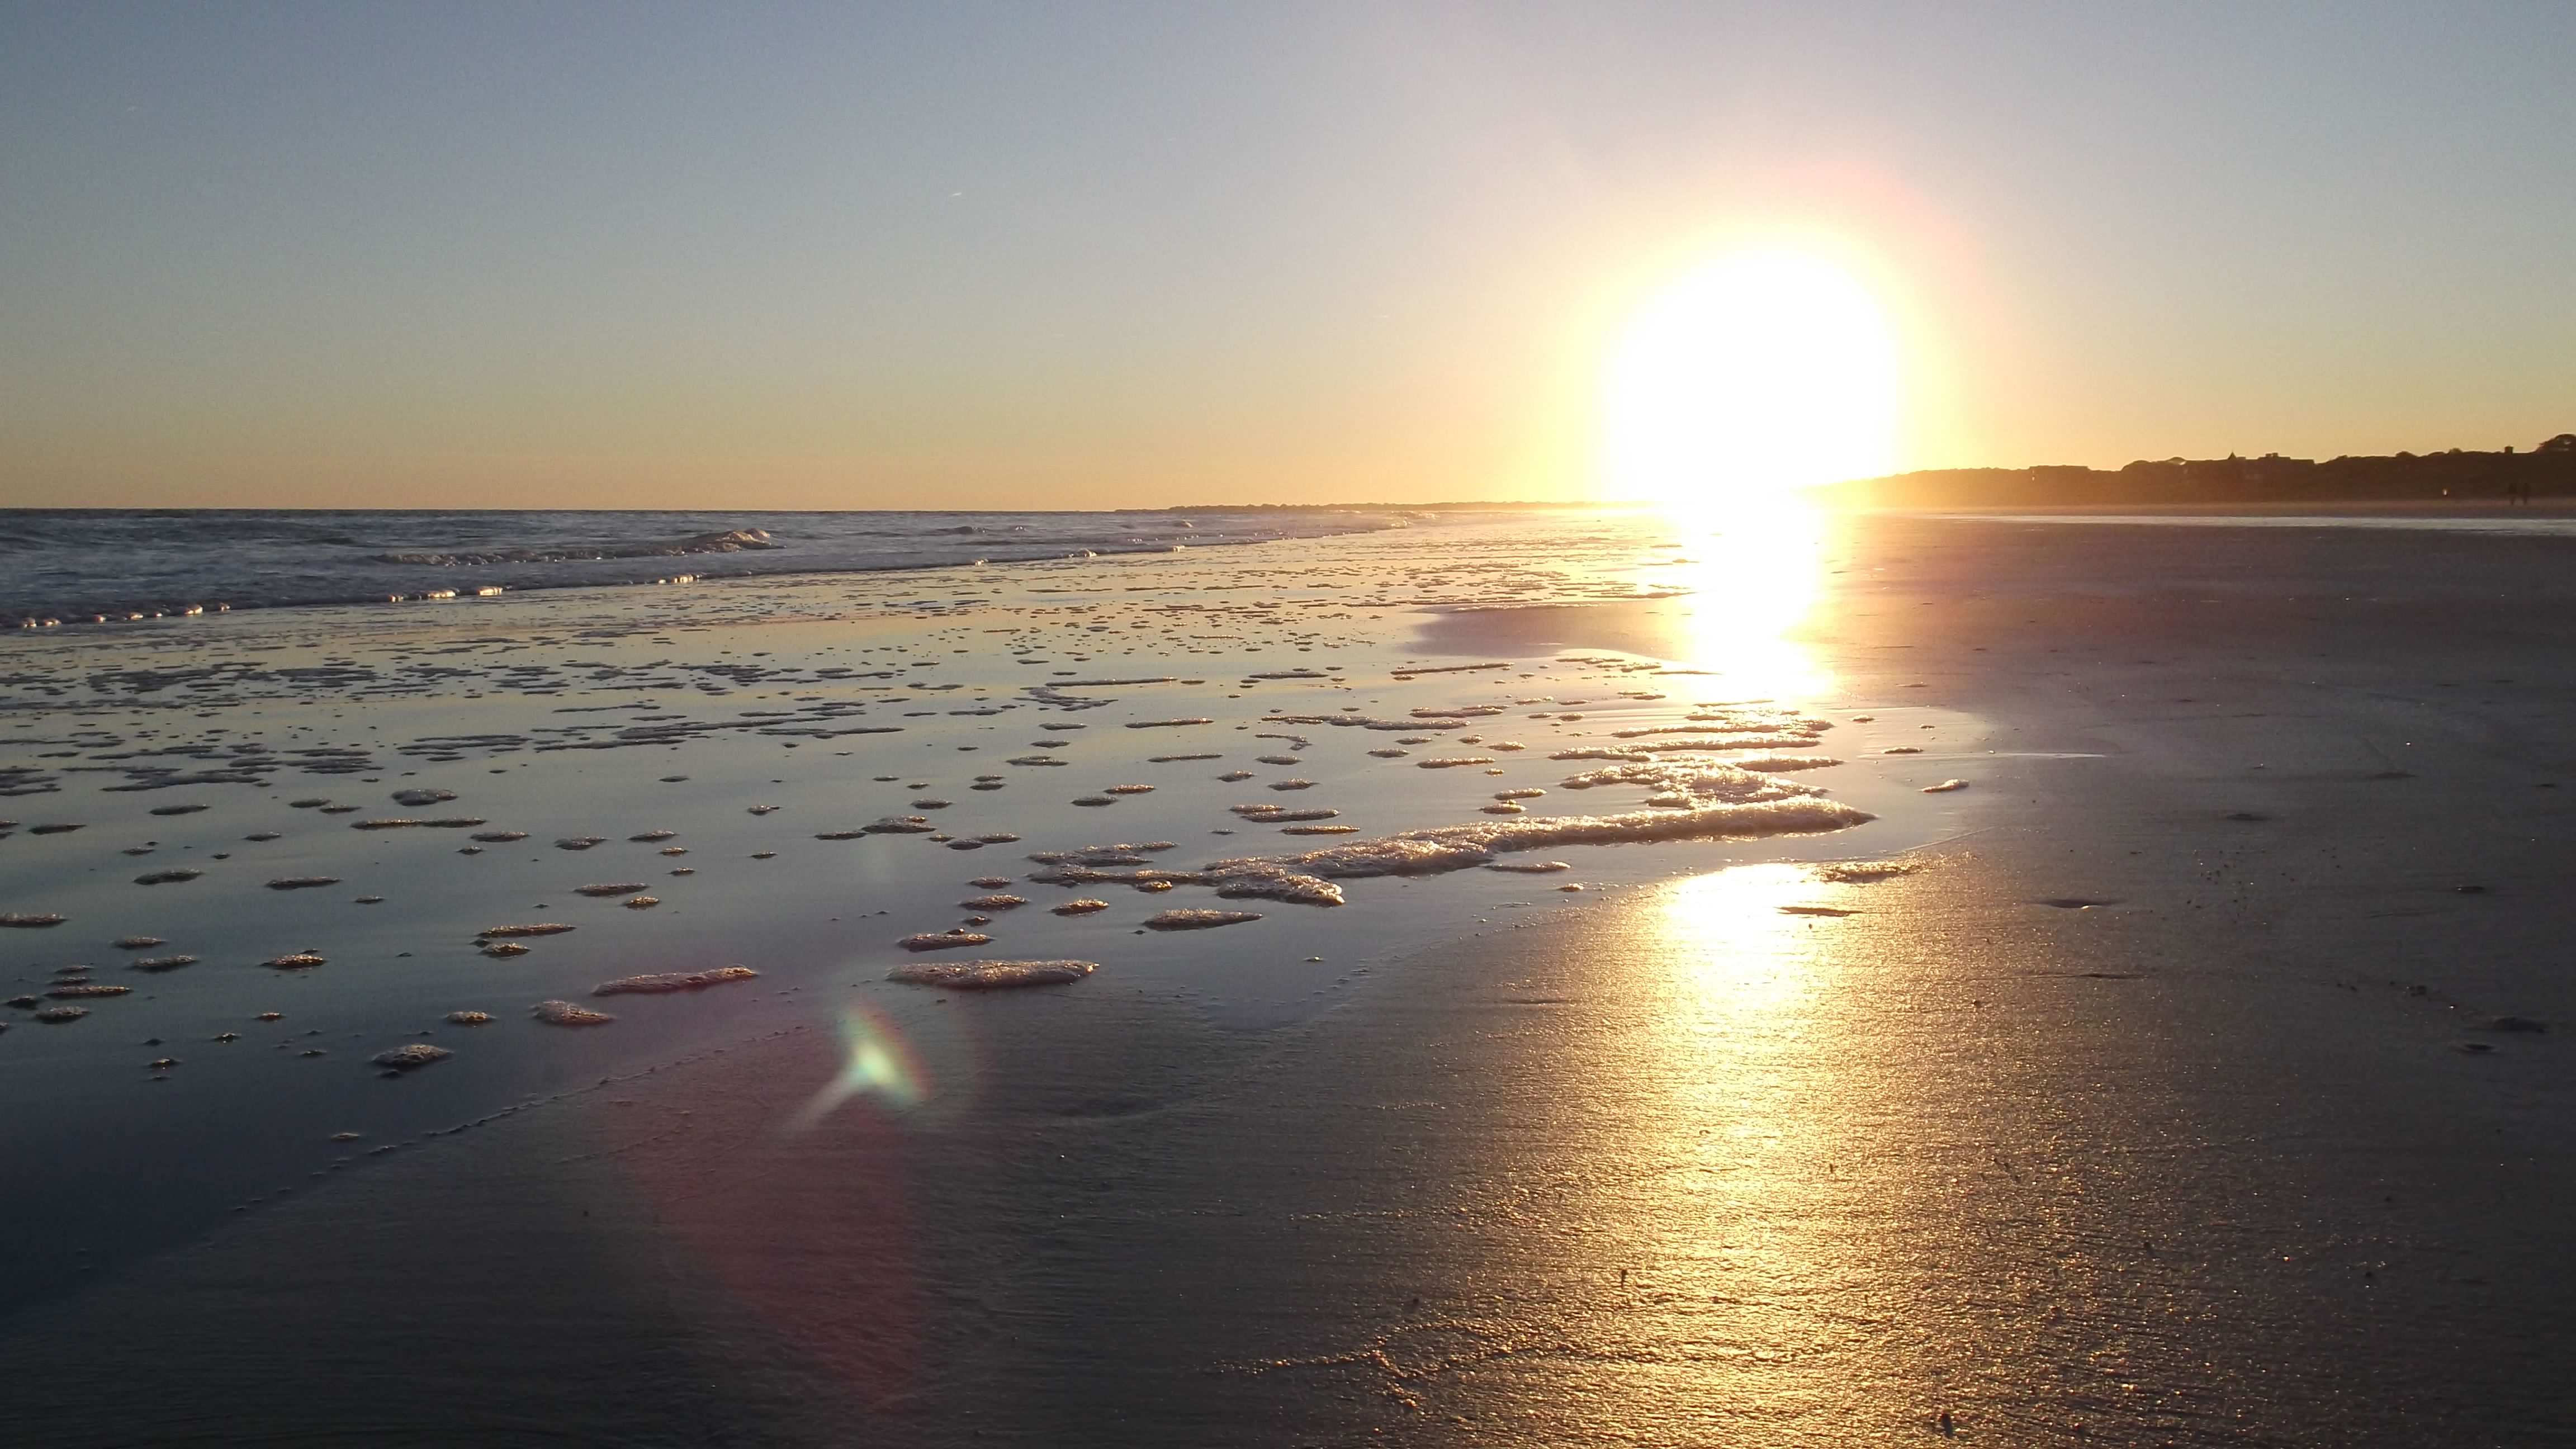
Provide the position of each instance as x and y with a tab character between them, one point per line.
2548	471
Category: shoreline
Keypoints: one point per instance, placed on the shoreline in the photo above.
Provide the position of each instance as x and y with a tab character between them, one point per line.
2252	513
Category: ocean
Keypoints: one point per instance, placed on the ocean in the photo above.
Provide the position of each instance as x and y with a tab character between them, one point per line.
64	566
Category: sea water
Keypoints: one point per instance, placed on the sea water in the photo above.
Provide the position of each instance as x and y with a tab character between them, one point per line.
77	565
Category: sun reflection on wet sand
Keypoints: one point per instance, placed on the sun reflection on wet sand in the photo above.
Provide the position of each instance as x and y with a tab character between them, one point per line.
1739	959
1755	573
1700	1191
1750	1256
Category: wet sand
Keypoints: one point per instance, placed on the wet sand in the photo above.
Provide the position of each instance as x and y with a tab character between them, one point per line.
2170	1101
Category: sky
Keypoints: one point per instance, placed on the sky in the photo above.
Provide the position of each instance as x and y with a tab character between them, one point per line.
971	255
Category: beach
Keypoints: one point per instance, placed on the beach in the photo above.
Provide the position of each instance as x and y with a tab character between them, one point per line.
2193	1071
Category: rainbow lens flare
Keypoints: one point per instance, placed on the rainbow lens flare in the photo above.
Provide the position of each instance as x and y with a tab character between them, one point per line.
877	1061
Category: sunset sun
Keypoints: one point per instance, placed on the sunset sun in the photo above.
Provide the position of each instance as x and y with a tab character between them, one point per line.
1748	377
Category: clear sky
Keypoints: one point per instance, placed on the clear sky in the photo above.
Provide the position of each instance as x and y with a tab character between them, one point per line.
1078	255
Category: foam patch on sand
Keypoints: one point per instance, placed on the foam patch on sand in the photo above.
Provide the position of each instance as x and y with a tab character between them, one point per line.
1198	920
1862	872
1458	847
1366	722
954	936
991	975
411	1058
1776	764
1693	802
1708	781
1739	722
1244	879
1307	878
1649	749
1124	853
662	981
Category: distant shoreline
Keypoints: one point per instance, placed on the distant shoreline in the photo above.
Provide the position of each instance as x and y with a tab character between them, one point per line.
2457	475
2265	508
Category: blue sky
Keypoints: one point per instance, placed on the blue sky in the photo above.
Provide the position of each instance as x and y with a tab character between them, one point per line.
1083	255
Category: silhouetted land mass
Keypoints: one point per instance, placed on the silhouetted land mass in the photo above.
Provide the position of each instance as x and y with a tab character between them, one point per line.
2548	471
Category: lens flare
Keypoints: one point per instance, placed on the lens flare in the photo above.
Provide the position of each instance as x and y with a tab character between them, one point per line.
877	1061
1754	375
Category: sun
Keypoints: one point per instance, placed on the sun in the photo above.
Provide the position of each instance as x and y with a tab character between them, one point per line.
1750	376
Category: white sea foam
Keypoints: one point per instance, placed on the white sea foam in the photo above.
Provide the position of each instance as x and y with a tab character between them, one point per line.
991	975
1361	721
1709	744
1862	872
1775	764
1692	801
411	1058
668	981
943	940
1271	814
1198	920
1703	780
1244	879
1458	847
1648	749
1123	853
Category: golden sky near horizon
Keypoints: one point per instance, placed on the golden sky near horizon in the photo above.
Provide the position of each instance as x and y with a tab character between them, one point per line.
985	255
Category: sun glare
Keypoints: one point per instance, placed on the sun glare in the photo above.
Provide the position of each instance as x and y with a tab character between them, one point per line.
1751	376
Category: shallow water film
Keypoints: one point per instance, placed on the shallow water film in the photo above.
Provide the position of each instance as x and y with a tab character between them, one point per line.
1567	980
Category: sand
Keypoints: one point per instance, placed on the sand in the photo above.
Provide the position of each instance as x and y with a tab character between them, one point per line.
2135	1086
